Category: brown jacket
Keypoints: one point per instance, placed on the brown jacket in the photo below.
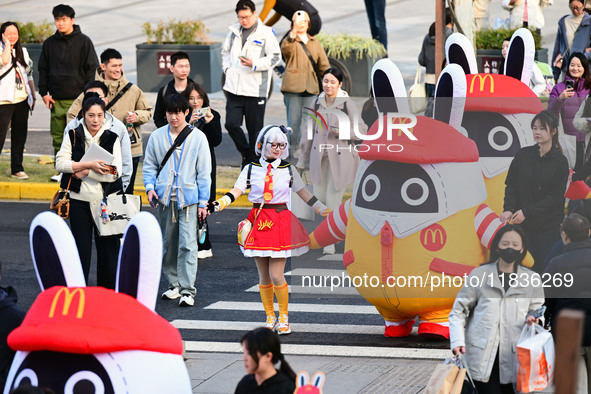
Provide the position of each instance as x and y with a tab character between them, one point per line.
134	100
299	74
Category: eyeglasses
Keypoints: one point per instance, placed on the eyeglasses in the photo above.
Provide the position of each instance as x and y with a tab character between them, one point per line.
275	145
245	18
575	8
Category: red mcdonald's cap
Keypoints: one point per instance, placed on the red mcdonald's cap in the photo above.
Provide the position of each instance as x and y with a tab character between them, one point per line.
437	142
500	93
89	320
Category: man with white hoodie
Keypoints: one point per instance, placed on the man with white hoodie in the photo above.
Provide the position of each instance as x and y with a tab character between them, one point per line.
249	53
114	125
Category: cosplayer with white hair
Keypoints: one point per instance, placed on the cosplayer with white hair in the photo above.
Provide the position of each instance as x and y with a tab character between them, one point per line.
275	232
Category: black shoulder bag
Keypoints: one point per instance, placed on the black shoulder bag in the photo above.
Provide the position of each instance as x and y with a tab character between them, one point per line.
119	95
314	65
177	142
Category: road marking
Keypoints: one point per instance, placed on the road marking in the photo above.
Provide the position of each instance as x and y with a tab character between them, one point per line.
323	290
320	350
298	327
316	308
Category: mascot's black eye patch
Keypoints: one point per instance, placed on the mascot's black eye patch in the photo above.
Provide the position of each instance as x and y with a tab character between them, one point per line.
396	187
54	369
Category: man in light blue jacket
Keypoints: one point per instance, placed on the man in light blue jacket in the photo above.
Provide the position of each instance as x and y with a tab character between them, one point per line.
180	192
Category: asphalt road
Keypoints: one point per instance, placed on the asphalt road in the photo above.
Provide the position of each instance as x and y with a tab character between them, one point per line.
227	302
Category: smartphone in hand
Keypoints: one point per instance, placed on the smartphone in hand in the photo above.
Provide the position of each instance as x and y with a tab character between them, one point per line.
569	84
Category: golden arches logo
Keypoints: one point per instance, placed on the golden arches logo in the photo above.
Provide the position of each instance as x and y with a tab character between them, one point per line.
402	120
68	298
482	79
433	238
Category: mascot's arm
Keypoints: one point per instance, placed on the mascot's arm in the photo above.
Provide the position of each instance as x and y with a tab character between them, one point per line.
332	229
487	223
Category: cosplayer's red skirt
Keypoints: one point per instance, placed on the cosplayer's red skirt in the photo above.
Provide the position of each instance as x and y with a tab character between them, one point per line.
277	233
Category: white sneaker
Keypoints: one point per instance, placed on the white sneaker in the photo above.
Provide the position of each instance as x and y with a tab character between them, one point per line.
171	294
330	249
57	178
204	254
186	300
271	322
283	325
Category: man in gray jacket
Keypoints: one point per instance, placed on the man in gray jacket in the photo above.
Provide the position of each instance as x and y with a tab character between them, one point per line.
249	53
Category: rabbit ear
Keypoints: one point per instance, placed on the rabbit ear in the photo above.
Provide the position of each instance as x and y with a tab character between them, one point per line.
318	379
520	55
450	96
388	87
140	260
54	252
459	50
302	379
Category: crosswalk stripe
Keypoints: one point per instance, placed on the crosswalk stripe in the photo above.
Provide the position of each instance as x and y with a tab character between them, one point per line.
317	308
327	350
348	291
297	327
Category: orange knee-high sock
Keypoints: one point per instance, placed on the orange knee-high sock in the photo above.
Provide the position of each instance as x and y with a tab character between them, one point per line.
267	298
282	294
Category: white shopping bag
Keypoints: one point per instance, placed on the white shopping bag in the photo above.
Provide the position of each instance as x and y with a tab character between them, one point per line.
535	359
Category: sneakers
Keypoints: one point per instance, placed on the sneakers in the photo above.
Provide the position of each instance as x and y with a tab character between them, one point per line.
283	325
20	175
271	322
171	294
330	249
203	254
186	300
56	178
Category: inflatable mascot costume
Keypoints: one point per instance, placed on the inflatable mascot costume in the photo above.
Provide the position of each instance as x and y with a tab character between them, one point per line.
91	339
415	224
499	108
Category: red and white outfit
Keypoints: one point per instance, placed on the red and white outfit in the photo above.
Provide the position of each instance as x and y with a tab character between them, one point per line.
277	232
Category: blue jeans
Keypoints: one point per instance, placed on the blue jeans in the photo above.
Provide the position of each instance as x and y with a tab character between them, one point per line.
376	10
179	233
294	104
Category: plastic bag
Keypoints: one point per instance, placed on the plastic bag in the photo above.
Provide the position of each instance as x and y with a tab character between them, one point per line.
535	359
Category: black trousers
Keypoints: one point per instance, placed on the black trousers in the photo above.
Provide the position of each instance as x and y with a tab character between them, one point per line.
494	386
135	162
252	109
17	116
107	248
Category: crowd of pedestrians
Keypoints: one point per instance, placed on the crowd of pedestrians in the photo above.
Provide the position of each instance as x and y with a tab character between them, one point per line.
94	103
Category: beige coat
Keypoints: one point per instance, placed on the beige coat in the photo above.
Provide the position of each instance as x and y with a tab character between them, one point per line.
485	319
134	100
342	156
299	74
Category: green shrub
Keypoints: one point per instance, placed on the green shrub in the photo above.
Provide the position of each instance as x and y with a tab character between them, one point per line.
493	39
35	32
176	32
341	46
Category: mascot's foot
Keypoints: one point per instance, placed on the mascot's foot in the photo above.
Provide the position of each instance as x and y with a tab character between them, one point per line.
399	330
433	331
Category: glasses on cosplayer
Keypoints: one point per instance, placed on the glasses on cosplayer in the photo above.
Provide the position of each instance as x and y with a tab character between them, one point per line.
280	146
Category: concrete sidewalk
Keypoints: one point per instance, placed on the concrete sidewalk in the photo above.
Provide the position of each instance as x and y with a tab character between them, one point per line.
221	372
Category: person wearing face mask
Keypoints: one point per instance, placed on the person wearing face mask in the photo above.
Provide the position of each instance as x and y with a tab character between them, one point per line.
491	309
565	100
535	187
305	62
333	160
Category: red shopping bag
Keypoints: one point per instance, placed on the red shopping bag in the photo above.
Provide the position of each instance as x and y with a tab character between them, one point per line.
535	358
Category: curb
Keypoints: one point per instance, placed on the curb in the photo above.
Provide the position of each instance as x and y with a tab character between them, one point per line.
45	192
